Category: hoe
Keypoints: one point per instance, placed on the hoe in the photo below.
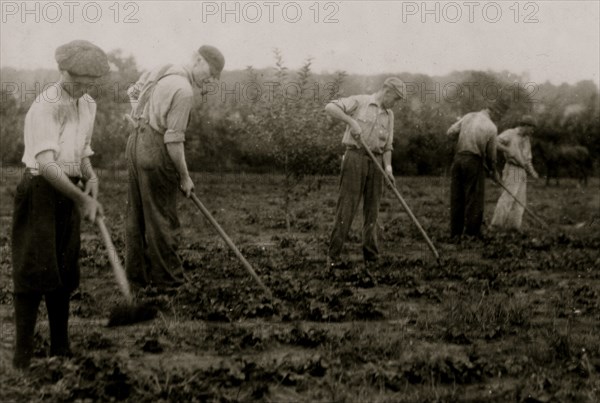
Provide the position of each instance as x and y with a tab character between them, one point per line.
528	210
402	202
230	243
130	312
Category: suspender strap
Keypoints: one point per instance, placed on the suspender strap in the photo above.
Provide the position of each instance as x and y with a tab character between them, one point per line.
149	89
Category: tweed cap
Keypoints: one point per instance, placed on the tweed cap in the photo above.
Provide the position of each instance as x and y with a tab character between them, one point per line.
397	85
82	58
214	58
527	120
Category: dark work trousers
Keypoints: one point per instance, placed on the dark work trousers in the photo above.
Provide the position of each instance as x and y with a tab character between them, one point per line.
26	309
467	195
152	225
45	251
360	178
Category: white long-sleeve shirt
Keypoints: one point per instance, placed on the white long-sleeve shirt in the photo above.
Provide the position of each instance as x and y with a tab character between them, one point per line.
56	121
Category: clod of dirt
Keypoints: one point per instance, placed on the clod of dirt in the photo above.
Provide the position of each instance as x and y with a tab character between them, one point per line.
124	315
152	345
95	341
456	336
365	279
41	345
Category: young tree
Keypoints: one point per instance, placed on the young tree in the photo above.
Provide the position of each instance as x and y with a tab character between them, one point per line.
289	125
110	139
11	128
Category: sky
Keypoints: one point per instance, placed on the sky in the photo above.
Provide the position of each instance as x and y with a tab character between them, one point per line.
550	40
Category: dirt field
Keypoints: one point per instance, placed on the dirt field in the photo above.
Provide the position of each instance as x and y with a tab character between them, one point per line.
513	318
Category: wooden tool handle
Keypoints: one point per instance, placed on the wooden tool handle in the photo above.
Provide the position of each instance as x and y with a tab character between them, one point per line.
231	245
527	210
114	260
402	202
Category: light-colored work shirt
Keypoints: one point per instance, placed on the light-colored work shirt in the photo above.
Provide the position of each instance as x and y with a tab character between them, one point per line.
56	121
169	104
476	135
519	149
376	122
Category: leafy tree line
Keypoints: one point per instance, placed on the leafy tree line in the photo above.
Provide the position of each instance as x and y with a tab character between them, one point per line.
265	120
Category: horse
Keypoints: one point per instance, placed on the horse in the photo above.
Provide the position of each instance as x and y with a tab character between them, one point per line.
570	160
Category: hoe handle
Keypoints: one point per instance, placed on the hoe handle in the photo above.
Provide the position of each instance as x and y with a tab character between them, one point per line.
401	199
114	260
230	243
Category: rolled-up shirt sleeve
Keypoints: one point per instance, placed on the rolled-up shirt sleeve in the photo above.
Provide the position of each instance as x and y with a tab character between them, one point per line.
348	105
454	130
87	151
504	138
178	117
389	144
42	129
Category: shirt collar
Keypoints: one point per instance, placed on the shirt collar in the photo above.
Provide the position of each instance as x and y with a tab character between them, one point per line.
189	76
373	100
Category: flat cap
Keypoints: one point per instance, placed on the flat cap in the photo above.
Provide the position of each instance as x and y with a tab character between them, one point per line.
397	85
82	58
527	120
214	58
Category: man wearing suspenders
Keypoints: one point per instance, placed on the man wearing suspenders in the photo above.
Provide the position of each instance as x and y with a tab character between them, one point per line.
157	166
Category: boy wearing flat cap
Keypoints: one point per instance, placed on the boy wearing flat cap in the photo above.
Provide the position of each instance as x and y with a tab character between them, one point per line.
369	117
162	100
48	203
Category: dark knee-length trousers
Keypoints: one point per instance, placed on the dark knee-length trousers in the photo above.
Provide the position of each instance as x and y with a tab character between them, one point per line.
45	253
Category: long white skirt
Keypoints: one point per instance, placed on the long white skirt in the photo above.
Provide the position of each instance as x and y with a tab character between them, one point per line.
508	213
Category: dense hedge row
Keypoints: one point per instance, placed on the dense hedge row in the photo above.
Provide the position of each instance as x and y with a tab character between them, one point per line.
273	119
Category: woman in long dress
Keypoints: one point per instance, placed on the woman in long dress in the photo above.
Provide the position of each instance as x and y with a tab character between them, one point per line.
516	146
